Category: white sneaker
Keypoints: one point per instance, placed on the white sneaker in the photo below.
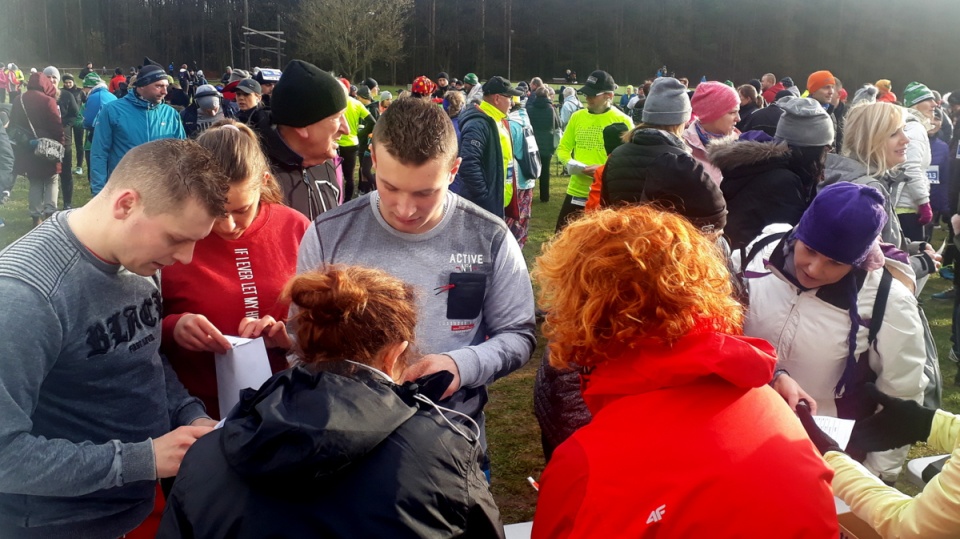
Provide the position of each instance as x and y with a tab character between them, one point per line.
78	171
953	356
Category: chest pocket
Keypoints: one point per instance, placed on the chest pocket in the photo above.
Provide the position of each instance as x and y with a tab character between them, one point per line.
465	296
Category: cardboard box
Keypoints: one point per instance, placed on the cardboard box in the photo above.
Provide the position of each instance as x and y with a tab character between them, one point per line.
852	527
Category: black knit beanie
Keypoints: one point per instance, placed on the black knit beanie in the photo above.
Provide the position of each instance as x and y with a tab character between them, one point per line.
149	75
305	94
678	182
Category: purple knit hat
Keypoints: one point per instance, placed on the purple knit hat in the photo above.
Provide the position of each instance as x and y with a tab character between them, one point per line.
843	223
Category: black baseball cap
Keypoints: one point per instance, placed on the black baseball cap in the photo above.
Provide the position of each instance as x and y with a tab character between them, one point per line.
249	86
500	85
597	83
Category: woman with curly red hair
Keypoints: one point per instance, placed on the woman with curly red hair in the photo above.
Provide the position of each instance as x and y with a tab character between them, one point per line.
642	300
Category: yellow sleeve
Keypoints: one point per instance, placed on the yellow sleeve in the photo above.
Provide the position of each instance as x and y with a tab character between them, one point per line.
932	514
568	140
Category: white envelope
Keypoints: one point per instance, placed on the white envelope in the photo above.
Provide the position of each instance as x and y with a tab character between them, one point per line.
245	365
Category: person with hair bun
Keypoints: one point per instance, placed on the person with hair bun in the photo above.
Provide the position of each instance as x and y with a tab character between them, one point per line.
333	447
233	285
640	298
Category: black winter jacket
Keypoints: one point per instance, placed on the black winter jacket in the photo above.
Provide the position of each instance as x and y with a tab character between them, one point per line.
759	187
625	173
335	450
765	119
481	172
311	190
543	119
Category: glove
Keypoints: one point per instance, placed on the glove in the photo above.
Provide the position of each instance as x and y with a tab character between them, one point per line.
926	214
901	422
819	438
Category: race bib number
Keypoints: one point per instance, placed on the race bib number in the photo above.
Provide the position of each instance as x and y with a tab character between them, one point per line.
933	174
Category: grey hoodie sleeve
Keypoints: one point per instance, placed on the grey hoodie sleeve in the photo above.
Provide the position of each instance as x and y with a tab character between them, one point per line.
508	316
7	177
35	465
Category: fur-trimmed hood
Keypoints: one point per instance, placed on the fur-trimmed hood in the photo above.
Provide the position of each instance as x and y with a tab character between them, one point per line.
728	155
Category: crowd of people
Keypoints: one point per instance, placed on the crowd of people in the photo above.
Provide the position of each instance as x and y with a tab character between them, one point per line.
728	262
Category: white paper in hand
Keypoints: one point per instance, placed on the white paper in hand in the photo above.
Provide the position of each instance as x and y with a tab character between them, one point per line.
836	428
245	365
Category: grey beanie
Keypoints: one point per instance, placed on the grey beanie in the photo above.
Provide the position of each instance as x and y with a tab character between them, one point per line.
667	103
804	123
52	72
867	94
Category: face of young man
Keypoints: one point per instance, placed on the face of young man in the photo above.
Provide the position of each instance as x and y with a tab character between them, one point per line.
825	94
147	243
154	93
412	197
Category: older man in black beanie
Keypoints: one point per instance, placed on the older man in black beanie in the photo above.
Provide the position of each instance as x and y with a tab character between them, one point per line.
300	136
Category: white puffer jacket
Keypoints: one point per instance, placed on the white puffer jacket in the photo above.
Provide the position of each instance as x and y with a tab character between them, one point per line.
810	336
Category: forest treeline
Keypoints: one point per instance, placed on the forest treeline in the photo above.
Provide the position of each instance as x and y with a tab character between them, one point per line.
858	40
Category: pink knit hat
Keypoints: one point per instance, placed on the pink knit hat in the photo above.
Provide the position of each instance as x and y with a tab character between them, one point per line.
712	100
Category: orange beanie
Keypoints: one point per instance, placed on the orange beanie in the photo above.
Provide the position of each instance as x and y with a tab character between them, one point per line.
818	80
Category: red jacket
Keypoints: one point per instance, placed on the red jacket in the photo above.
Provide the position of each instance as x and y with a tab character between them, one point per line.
770	94
40	104
115	83
227	281
687	441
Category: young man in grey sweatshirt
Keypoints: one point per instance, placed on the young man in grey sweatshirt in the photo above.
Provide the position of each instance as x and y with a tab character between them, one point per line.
475	299
87	402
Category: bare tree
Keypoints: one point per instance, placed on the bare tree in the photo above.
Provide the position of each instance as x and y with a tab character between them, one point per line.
353	34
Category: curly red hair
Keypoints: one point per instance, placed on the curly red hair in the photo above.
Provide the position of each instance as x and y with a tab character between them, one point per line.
617	276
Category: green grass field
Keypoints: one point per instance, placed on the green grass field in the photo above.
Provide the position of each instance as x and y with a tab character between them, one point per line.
512	430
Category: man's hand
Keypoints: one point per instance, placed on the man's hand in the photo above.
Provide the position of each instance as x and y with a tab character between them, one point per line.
169	449
591	170
195	333
430	364
204	422
790	390
955	224
937	259
274	333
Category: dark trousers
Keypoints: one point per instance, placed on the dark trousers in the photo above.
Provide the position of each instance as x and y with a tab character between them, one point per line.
66	168
568	212
347	166
3	95
911	227
368	180
546	160
78	144
955	326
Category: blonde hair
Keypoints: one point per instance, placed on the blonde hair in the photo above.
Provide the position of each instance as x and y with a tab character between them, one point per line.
866	130
615	277
236	147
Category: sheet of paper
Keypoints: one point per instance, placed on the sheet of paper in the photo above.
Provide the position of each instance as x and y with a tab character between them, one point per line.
245	365
838	429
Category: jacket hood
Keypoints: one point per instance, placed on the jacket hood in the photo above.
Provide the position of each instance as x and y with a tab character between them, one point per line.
655	137
473	112
140	102
42	84
306	424
842	169
730	154
744	362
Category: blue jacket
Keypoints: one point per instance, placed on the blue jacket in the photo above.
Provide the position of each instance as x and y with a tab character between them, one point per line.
126	123
99	97
481	172
7	178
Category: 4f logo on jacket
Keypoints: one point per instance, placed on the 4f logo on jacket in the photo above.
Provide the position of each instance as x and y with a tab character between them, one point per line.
657	514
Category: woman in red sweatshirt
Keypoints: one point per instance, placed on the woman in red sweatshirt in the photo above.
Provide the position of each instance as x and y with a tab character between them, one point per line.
687	439
233	284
